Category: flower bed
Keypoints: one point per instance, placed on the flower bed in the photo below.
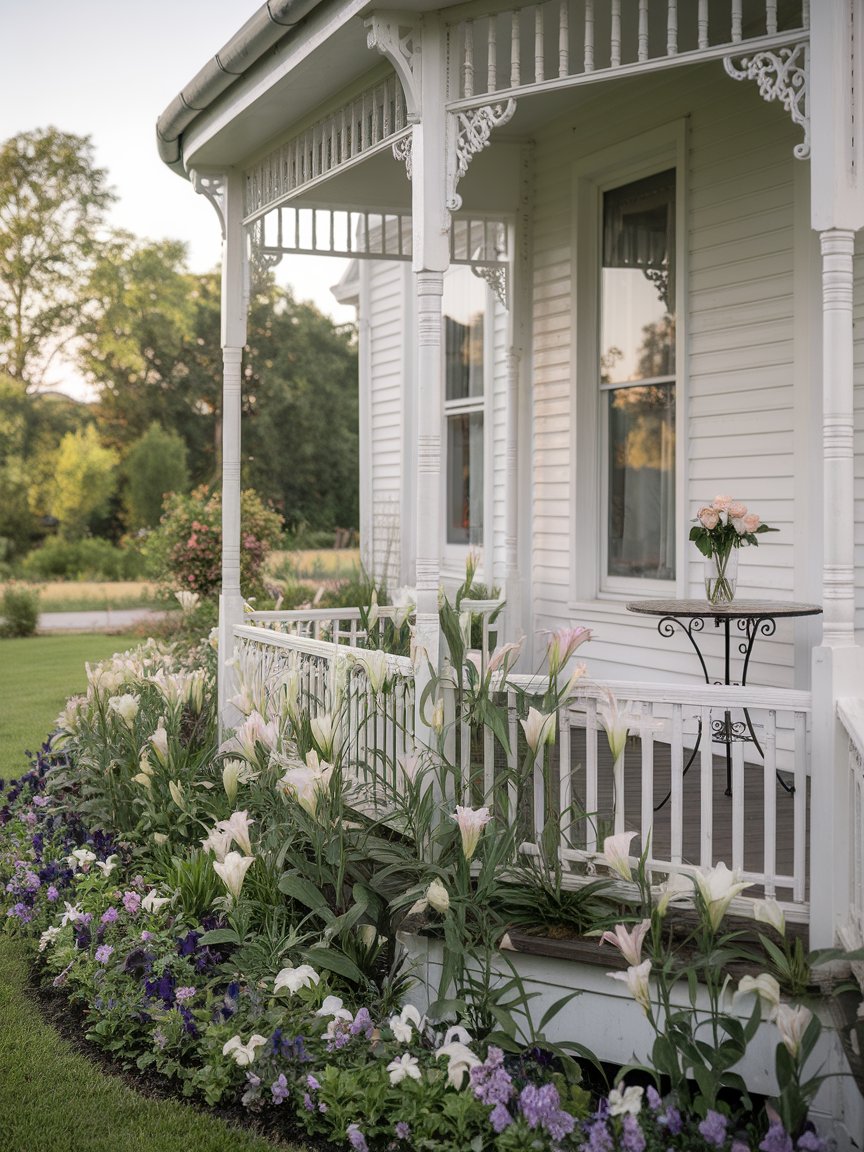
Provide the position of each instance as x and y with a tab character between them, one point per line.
227	917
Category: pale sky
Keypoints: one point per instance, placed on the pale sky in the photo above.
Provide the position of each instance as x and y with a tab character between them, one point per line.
107	69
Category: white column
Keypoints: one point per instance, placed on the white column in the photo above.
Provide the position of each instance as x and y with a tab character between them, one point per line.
234	307
431	257
838	586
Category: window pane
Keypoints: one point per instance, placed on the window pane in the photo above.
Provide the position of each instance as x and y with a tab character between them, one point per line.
464	308
465	478
637	309
642	481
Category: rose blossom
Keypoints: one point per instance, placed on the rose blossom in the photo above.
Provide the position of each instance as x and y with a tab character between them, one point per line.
708	517
721	503
737	510
751	521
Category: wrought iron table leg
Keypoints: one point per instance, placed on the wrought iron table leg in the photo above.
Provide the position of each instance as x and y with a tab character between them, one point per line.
668	795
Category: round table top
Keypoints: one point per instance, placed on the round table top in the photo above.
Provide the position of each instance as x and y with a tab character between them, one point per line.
737	610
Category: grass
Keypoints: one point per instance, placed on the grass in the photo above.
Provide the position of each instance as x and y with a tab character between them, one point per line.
52	1098
314	563
83	595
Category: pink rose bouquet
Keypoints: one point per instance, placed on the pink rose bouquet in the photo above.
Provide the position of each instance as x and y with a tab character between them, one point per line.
721	526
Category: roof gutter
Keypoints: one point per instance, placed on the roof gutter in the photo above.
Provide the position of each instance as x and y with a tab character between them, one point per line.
263	31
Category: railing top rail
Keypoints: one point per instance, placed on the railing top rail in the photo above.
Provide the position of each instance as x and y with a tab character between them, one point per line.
850	710
300	615
711	695
402	665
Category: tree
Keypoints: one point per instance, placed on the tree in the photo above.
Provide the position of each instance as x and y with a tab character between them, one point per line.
154	466
84	481
53	201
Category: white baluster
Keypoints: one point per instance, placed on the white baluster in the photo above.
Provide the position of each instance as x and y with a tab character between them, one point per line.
513	758
647	824
615	37
563	39
468	66
539	49
703	23
539	794
591	774
805	14
588	65
677	786
643	30
515	51
672	28
769	810
492	55
488	765
737	804
706	791
565	777
736	21
771	17
799	801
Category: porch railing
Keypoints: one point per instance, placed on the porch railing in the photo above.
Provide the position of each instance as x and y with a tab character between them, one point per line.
851	714
669	788
521	46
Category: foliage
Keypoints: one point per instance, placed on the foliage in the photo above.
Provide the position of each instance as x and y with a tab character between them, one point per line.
19	609
186	549
154	465
83	480
86	559
53	201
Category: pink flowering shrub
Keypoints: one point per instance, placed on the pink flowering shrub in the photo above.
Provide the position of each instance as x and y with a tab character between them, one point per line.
186	549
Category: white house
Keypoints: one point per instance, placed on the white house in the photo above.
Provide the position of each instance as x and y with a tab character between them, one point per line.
606	267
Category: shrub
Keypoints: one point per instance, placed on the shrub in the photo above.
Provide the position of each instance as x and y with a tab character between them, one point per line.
89	559
186	548
19	608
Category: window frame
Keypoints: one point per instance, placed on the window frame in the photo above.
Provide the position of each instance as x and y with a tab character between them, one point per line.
653	152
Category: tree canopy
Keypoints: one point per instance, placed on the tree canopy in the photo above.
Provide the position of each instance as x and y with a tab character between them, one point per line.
53	201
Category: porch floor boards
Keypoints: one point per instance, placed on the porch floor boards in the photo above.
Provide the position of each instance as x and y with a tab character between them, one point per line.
754	845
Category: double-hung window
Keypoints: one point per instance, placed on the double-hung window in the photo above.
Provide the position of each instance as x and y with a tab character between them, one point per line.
637	374
464	307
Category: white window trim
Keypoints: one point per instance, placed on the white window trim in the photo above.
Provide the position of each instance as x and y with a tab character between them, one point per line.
455	556
663	147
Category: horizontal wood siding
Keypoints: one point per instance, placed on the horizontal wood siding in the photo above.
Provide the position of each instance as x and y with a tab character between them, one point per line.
859	433
496	443
738	386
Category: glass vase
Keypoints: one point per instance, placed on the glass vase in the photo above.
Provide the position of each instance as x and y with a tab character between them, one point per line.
721	576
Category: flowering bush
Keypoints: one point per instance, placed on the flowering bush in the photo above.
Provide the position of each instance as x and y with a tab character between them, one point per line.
186	548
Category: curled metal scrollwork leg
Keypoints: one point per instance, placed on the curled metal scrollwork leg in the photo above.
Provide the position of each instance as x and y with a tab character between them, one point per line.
666	627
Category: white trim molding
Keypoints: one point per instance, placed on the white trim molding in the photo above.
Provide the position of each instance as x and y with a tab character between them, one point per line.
781	74
470	132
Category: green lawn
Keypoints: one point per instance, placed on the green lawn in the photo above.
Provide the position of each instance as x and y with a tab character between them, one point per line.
52	1099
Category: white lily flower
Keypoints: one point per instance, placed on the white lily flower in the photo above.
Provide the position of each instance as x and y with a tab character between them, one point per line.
238	825
126	707
244	1054
80	858
177	793
471	823
372	614
374	664
437	721
187	600
503	658
159	743
305	783
616	853
562	644
539	728
304	976
48	937
769	912
629	943
460	1061
72	914
106	867
324	733
404	1066
438	897
334	1008
404	602
792	1022
678	888
219	842
718	887
764	986
152	902
232	871
636	979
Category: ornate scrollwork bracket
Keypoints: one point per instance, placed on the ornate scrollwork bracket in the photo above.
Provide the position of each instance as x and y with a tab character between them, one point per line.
211	185
472	131
396	35
402	151
496	277
781	74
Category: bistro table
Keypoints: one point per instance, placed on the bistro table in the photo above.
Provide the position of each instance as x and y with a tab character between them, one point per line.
752	618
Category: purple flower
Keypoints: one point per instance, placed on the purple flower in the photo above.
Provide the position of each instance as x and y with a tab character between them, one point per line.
540	1107
185	993
103	953
653	1097
599	1138
713	1128
362	1022
279	1089
500	1118
307	1102
490	1080
131	902
21	912
109	915
739	1146
356	1138
776	1140
632	1138
312	1084
402	1130
671	1118
810	1142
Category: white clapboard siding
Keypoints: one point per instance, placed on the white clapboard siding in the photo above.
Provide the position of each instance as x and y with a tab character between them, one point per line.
740	344
496	444
859	433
